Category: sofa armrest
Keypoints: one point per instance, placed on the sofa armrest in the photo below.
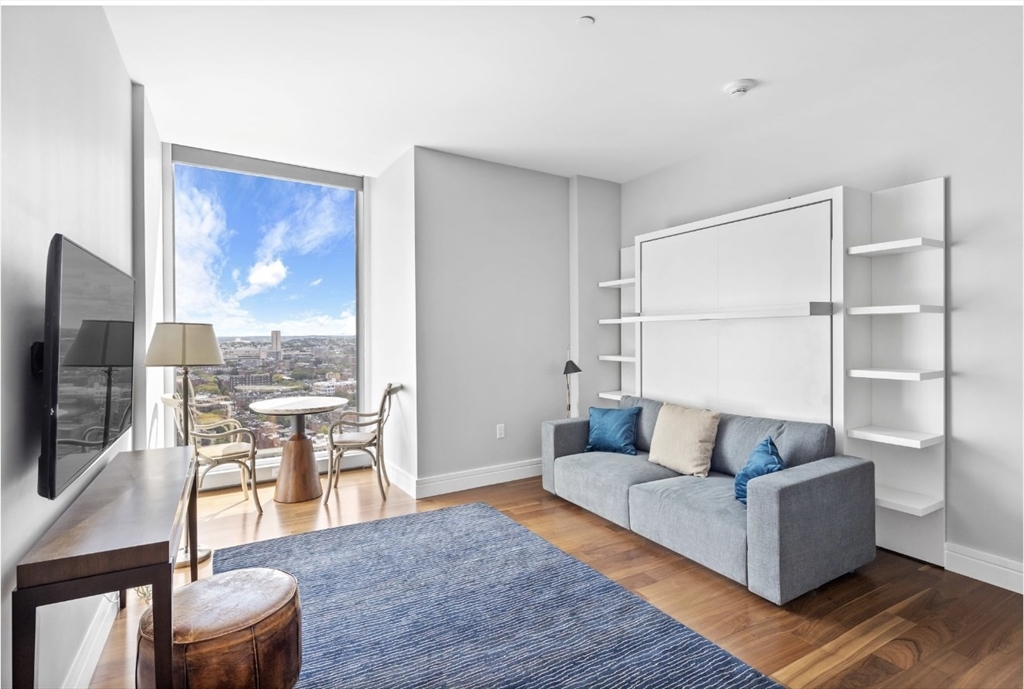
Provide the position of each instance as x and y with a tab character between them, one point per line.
557	439
809	524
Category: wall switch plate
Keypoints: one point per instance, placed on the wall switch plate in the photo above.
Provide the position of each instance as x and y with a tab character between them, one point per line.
501	430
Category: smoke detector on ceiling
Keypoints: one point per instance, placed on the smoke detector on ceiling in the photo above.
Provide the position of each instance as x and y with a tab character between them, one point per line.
739	88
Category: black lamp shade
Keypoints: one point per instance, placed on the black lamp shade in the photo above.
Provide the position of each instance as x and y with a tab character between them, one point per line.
571	367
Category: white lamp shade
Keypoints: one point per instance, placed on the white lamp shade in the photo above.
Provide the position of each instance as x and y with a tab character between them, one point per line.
184	344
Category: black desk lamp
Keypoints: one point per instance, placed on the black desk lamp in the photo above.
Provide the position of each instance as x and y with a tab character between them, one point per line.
570	367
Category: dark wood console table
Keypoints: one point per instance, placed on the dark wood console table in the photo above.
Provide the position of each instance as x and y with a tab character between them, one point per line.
122	531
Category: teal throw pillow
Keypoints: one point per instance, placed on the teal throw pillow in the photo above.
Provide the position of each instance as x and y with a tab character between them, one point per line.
764	459
613	430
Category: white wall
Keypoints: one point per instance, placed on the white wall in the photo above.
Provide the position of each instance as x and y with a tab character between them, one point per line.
388	295
957	115
66	167
491	314
148	236
594	230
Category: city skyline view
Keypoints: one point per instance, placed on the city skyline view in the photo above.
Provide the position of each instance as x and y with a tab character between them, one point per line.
256	254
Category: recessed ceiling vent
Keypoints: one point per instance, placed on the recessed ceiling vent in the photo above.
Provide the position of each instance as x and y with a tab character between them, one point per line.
739	88
585	21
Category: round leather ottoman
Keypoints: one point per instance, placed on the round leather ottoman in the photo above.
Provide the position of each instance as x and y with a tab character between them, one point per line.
236	629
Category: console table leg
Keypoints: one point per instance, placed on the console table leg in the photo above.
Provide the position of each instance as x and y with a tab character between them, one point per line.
162	639
23	646
124	598
193	526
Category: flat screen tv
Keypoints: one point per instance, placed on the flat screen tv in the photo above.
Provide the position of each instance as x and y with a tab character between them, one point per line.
86	362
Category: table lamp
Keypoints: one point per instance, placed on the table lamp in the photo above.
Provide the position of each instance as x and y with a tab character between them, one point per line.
185	345
570	367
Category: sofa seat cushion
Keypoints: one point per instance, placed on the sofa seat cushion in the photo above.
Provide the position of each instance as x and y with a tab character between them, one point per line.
600	481
698	518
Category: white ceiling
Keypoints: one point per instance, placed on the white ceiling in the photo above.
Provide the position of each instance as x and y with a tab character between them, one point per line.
351	88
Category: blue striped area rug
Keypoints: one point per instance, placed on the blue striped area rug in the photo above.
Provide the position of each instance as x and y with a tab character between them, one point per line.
466	597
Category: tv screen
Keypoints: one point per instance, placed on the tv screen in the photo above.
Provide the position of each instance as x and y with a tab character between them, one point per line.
87	362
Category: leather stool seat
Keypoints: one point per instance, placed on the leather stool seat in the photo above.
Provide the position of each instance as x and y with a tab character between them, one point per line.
236	629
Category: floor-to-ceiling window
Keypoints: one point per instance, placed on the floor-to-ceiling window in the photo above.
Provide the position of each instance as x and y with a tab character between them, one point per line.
270	261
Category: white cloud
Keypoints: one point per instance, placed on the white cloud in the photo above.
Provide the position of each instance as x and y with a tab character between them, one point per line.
316	282
263	276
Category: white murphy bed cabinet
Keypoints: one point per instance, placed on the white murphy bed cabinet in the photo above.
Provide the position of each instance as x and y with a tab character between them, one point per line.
826	307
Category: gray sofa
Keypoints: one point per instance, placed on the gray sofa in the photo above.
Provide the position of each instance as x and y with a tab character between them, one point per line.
802	526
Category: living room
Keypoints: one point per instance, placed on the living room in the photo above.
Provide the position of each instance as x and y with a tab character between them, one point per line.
508	154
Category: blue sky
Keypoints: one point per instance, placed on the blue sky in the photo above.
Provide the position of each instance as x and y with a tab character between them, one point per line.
255	254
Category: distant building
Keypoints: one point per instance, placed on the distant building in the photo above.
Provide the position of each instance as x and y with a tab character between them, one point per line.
275	340
251	379
325	387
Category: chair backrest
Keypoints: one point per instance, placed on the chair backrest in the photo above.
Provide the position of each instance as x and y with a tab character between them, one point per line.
384	411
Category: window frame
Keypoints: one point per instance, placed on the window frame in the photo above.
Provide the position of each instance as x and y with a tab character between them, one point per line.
229	162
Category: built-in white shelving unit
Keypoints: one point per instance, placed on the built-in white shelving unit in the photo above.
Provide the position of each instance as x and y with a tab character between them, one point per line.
895	436
628	356
618	357
894	310
620	283
812	308
906	501
894	360
899	246
628	318
908	374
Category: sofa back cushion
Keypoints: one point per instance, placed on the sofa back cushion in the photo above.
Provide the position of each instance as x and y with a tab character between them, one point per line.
649	410
798	442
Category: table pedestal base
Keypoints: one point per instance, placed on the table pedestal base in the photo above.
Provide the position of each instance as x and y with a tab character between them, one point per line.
298	479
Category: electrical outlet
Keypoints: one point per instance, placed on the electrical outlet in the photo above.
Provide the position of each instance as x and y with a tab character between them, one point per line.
273	472
501	430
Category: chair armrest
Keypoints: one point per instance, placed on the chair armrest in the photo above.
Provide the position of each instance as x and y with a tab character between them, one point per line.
232	433
809	524
559	438
227	423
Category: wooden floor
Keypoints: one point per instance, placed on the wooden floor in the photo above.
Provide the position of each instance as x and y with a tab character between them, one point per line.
894	623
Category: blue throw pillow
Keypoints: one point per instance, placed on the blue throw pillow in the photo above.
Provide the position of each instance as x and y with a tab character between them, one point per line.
613	430
764	459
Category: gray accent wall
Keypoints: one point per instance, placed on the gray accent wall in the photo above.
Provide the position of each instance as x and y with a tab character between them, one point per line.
66	167
954	115
491	311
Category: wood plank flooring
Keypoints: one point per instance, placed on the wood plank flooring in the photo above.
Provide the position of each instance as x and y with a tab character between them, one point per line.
896	622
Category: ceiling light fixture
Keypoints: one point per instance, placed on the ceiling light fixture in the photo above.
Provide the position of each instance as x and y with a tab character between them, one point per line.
739	88
585	21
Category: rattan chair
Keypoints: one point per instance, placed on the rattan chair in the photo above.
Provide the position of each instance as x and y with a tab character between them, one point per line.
348	435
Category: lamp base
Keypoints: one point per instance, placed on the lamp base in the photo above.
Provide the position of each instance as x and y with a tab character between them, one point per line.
184	557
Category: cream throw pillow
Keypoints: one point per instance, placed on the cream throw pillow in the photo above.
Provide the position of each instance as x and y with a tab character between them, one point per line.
684	438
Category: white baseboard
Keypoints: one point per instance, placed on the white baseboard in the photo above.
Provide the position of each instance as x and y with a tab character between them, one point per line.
430	486
402	479
992	569
88	656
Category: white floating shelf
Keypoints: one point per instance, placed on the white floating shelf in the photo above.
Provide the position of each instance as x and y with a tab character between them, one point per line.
907	501
624	282
900	246
615	395
811	308
894	436
911	374
631	318
891	310
618	357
